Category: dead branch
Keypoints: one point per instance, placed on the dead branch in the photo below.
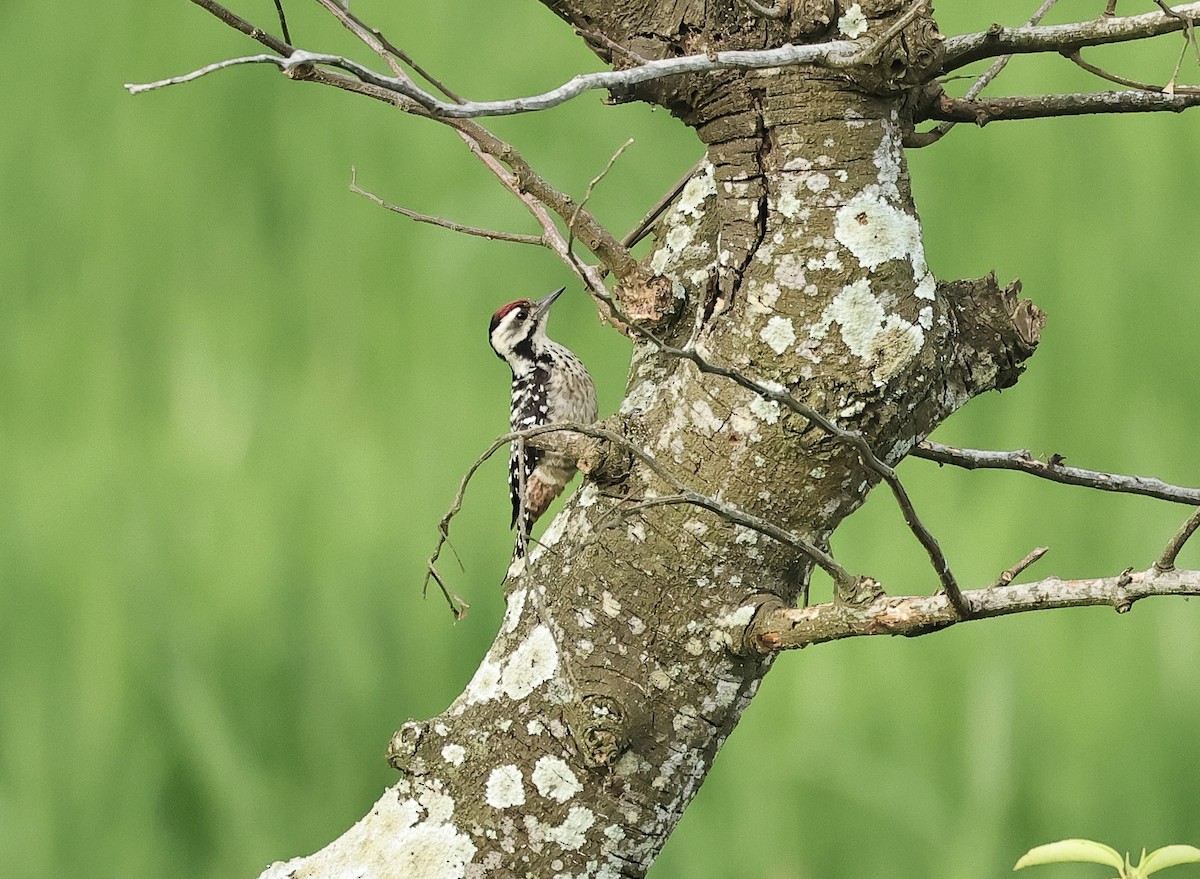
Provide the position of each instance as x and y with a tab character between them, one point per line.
785	628
1023	461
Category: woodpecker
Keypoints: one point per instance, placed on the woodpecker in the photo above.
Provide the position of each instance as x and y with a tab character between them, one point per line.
550	385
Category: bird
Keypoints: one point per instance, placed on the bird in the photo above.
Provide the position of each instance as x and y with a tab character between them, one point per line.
550	385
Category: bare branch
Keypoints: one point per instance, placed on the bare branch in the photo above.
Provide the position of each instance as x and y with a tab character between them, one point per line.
783	628
1166	562
1023	461
840	54
491	234
999	40
984	110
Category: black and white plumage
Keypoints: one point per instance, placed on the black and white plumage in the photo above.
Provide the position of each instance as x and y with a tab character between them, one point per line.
550	385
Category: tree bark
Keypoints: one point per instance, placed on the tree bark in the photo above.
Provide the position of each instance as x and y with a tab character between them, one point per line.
624	659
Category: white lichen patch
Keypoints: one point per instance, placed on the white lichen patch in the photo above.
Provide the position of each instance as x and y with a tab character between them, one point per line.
390	841
765	410
505	787
817	182
925	318
572	833
532	664
761	300
439	808
889	160
895	346
853	24
485	684
704	419
746	535
636	532
779	334
859	314
609	604
641	398
887	342
589	495
636	625
512	615
454	754
554	779
680	237
926	287
659	260
789	272
788	203
698	189
876	232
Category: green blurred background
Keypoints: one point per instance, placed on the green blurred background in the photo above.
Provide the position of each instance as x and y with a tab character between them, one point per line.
235	399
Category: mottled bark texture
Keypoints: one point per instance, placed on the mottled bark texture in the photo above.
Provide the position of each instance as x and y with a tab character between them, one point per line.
622	663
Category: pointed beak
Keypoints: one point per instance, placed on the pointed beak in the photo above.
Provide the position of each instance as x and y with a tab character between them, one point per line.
543	304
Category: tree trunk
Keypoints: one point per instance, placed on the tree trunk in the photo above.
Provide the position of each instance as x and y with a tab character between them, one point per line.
622	664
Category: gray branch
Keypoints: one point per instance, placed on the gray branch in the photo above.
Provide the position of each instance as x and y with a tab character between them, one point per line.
981	111
999	40
784	628
1023	461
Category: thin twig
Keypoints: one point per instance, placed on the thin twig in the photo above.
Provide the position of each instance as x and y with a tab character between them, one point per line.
1166	562
1024	462
587	193
1020	567
492	234
1078	59
598	39
287	37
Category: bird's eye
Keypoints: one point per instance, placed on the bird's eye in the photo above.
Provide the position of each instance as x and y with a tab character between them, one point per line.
522	314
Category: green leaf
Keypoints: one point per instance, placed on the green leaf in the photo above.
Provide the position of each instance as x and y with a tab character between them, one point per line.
1074	850
1169	856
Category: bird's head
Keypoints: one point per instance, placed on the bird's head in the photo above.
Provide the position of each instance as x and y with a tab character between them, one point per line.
518	329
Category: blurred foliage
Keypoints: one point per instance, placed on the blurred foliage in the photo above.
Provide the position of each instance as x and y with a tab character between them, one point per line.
235	399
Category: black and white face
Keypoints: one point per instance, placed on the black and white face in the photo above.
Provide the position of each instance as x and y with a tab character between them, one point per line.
518	327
